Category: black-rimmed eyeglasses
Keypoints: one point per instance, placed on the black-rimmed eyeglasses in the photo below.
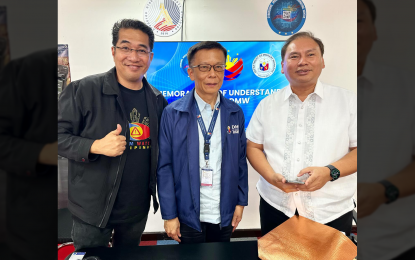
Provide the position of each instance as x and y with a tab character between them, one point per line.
126	50
208	67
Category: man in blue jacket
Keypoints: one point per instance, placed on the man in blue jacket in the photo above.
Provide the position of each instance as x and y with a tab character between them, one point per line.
202	173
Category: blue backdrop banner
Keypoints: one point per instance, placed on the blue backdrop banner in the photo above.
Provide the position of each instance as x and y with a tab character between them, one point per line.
253	71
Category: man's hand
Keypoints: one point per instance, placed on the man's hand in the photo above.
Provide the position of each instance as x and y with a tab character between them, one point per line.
172	228
237	216
370	197
49	154
319	176
112	145
256	156
280	182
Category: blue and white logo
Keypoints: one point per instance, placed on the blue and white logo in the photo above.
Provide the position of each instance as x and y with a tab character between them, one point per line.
286	17
184	65
264	65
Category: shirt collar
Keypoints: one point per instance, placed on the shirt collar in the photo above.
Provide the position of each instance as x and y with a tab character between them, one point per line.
369	72
202	104
318	90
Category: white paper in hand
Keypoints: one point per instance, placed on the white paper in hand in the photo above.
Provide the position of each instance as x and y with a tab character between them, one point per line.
77	256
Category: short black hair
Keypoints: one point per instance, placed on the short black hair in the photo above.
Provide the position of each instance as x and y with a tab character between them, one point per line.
372	8
301	35
206	45
132	24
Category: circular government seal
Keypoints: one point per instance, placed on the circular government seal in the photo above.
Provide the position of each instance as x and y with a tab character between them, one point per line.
163	16
263	65
184	65
286	17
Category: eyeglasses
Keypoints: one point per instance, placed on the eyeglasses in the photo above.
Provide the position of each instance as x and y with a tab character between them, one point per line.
140	52
208	67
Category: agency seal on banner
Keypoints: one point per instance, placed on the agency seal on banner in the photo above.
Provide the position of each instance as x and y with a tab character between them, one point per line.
163	16
286	17
263	65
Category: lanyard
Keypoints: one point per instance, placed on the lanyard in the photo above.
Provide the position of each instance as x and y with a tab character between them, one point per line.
207	135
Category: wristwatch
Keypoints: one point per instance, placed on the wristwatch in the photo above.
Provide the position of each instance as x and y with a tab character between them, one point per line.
334	172
391	191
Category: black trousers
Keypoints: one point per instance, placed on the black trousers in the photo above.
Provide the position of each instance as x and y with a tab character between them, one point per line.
210	233
408	255
85	235
272	218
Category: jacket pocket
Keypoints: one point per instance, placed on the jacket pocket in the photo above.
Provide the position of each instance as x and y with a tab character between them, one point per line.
88	186
75	171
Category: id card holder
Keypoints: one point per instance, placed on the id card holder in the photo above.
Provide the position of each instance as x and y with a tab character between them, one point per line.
207	176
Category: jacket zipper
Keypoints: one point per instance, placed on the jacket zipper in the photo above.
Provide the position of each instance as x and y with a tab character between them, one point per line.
115	182
221	176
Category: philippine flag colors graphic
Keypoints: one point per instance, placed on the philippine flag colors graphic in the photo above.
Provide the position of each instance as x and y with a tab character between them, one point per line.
264	66
139	132
233	68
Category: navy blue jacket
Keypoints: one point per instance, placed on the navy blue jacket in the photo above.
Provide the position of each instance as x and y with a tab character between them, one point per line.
178	172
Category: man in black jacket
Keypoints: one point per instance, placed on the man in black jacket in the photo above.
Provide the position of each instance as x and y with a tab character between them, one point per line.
108	128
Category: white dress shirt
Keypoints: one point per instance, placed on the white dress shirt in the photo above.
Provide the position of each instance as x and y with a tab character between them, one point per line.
296	135
210	195
387	127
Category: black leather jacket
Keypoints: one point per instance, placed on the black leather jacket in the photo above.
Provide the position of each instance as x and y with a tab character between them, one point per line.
88	109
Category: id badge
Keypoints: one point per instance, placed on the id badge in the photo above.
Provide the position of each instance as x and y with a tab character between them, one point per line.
207	176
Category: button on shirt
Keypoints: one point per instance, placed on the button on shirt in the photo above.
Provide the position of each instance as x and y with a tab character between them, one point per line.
210	195
296	135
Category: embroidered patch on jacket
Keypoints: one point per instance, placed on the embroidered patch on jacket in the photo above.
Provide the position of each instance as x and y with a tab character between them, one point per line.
235	129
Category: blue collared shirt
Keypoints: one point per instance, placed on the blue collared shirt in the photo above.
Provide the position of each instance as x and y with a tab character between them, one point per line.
210	195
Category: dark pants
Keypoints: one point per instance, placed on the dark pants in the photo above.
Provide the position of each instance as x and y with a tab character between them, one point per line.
210	233
272	218
125	234
408	255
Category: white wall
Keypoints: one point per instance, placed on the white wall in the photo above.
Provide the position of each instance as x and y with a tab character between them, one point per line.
86	27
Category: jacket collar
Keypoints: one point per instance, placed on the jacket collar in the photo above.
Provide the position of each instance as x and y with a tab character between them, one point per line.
186	103
202	104
111	84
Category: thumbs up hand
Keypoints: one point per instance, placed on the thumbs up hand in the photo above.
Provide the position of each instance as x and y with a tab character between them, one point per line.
112	145
118	130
